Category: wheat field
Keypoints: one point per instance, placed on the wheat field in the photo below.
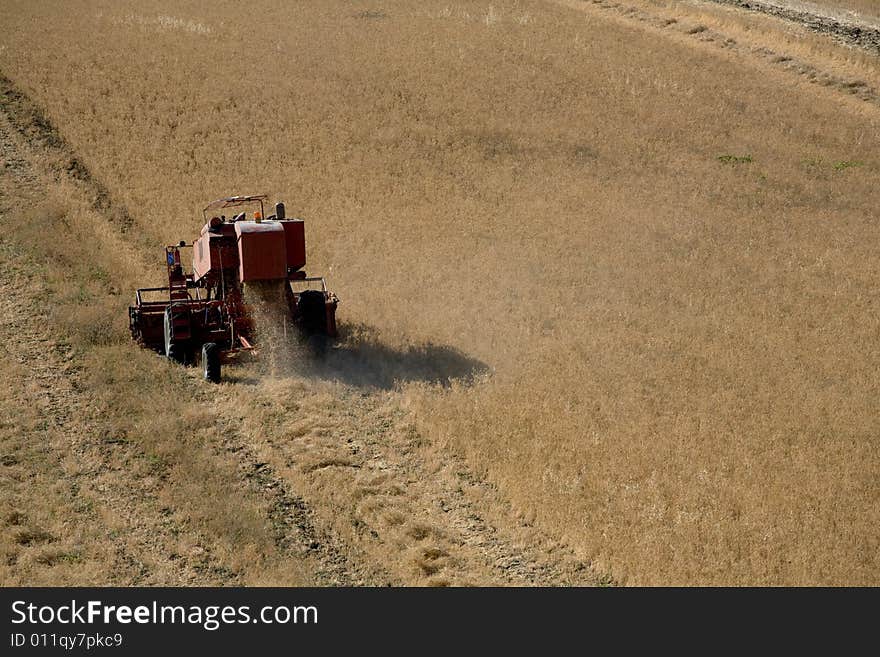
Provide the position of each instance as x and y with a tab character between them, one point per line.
655	256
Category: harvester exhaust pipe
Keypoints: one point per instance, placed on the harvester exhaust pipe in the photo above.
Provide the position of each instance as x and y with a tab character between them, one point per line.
279	211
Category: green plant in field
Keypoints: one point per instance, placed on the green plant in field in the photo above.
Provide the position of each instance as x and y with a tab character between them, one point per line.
54	557
80	295
98	274
371	15
155	463
84	506
846	164
606	580
735	159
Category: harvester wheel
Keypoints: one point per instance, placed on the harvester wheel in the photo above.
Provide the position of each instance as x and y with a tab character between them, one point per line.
311	310
317	345
174	351
211	362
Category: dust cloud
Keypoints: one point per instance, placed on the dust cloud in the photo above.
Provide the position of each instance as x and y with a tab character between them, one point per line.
359	357
274	332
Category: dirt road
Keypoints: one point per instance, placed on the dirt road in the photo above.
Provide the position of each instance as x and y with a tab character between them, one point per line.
854	29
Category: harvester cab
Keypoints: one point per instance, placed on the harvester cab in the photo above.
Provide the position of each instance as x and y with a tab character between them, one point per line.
206	315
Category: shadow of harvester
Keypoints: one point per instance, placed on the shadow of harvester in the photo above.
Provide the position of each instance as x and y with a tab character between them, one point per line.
360	359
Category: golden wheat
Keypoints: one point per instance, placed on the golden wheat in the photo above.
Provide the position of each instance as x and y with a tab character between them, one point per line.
663	251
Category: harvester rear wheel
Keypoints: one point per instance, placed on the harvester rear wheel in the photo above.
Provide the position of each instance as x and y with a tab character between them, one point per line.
211	362
311	311
317	345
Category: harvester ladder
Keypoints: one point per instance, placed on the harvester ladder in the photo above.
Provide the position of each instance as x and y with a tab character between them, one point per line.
176	277
180	321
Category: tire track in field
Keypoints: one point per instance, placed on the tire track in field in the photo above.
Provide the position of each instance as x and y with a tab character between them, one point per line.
365	473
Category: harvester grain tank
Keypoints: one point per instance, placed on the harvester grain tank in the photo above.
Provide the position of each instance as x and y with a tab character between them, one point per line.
205	315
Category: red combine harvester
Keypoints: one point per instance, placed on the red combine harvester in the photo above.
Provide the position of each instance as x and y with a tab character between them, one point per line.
206	315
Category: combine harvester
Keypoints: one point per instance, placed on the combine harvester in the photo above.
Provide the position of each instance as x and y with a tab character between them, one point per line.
207	315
